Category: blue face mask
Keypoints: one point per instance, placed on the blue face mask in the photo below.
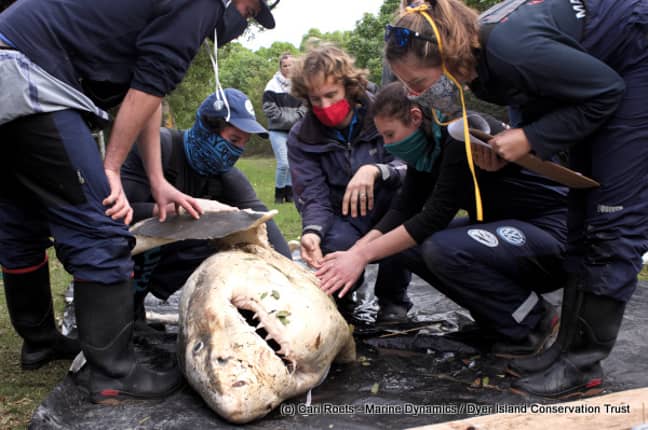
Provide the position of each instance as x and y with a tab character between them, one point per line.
416	151
208	153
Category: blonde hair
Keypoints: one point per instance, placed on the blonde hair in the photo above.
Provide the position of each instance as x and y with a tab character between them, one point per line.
324	61
459	30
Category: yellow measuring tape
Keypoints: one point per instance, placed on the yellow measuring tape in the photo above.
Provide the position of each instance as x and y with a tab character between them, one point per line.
478	201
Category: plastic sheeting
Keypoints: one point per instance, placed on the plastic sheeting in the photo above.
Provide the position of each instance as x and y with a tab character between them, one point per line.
402	378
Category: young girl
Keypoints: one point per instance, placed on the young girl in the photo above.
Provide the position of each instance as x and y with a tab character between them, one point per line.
495	269
575	77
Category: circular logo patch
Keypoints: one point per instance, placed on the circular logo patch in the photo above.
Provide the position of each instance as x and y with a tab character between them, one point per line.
249	108
512	235
484	237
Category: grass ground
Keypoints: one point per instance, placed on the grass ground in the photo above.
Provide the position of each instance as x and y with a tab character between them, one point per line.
21	392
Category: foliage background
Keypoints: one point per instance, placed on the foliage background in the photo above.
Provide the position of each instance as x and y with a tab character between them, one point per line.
249	71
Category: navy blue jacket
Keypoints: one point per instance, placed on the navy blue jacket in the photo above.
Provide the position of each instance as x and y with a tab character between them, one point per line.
553	69
142	44
322	164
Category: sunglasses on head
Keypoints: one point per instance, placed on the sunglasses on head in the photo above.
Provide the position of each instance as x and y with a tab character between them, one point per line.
403	36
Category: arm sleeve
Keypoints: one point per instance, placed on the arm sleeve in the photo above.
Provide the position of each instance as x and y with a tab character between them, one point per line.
588	91
169	42
393	173
310	189
446	199
281	117
416	187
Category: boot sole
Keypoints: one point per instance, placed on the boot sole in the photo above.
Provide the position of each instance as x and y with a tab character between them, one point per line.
37	364
125	396
574	394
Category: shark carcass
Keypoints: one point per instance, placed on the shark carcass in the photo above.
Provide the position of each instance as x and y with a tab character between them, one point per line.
254	327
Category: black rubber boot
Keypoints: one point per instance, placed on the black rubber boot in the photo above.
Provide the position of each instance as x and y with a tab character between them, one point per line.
29	300
288	194
104	316
279	196
545	330
142	326
578	372
571	303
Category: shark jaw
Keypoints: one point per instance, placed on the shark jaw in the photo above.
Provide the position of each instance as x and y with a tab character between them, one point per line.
255	330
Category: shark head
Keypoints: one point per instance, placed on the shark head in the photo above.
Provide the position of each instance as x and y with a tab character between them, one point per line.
255	330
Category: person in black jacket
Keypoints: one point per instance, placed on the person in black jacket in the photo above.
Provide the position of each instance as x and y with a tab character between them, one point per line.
282	110
496	269
574	74
199	162
63	62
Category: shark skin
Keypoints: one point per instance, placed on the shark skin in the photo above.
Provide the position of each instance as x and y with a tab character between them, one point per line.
255	329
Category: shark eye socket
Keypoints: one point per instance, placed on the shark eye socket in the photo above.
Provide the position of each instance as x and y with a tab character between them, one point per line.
198	347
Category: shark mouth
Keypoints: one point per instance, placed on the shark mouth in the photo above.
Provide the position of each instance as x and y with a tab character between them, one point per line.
265	325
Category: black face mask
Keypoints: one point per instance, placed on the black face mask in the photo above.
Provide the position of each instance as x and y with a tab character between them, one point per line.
231	25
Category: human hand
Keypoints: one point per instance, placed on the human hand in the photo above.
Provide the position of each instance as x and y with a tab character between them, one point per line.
486	158
117	200
511	144
359	192
310	250
164	194
340	271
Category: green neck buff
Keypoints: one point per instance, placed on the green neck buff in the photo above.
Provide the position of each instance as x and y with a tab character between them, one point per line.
417	151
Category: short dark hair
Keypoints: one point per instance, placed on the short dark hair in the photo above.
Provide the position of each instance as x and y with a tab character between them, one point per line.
392	102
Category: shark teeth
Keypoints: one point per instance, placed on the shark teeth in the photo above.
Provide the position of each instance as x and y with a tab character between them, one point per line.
260	321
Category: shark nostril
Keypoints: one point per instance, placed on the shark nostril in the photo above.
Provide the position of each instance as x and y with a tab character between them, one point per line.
198	347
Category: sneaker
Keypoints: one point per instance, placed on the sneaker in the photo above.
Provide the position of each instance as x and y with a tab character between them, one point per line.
542	335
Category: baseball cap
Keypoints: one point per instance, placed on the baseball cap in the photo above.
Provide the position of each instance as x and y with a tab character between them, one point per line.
241	111
264	17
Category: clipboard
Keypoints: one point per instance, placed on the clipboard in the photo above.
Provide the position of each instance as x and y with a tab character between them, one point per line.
548	169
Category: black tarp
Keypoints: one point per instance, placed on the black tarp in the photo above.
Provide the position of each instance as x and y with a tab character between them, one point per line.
439	371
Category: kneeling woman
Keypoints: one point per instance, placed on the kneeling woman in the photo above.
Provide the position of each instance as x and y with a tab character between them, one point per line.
496	269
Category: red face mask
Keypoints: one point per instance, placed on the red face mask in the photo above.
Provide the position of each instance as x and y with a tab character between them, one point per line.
334	114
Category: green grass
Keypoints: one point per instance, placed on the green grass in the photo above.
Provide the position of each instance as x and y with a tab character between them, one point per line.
261	173
21	392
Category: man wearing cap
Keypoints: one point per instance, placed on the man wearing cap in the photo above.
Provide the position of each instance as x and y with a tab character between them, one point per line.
62	62
199	162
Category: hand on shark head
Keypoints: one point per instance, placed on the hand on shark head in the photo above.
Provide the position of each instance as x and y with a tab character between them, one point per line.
340	271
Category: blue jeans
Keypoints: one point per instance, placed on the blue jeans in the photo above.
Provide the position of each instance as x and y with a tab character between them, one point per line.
278	142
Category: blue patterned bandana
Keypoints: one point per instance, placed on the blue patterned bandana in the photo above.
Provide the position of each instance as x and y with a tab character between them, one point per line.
207	152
